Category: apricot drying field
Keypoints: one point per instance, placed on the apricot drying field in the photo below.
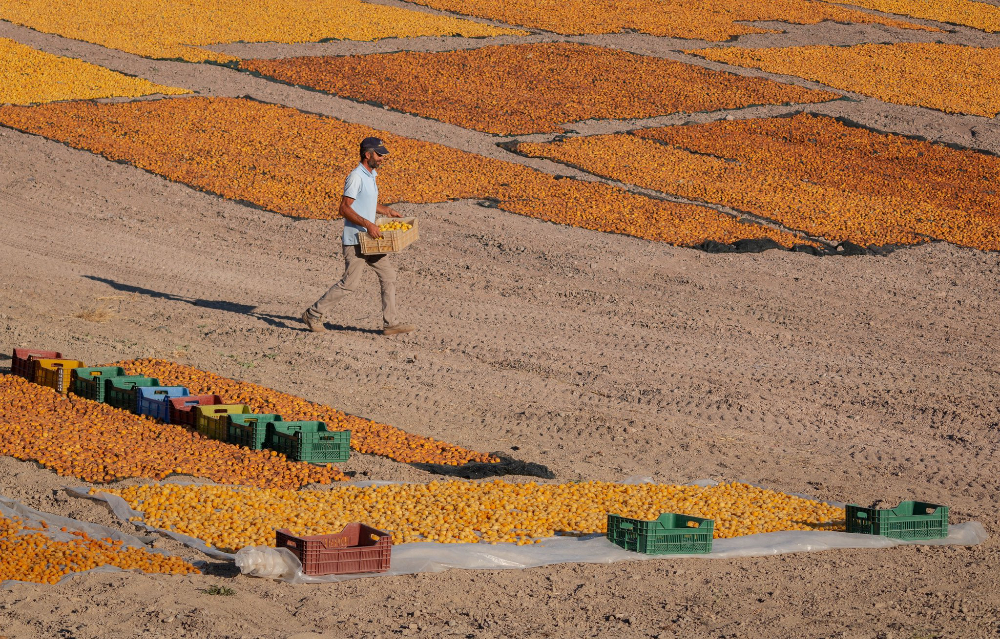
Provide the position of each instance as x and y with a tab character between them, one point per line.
168	201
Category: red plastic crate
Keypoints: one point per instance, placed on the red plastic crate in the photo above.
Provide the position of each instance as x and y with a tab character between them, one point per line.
22	363
359	548
182	408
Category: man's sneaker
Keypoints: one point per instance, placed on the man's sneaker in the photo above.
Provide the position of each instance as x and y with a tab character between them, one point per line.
396	329
315	324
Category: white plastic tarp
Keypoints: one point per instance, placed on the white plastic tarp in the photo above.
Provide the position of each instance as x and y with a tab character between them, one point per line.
595	549
11	509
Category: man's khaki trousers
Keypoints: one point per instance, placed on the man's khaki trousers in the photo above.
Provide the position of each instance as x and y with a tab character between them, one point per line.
354	263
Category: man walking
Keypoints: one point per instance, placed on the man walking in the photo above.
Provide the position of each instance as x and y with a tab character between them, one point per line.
359	206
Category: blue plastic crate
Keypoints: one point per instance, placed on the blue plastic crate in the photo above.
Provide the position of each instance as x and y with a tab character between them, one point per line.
155	400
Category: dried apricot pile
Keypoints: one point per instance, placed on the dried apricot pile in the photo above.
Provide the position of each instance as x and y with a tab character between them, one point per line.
81	438
946	77
293	163
530	88
395	226
465	512
366	436
177	28
810	173
29	76
718	20
28	554
979	15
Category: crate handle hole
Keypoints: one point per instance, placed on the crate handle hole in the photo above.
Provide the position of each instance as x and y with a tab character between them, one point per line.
862	514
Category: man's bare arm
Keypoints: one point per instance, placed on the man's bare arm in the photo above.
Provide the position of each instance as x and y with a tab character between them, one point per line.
349	214
387	211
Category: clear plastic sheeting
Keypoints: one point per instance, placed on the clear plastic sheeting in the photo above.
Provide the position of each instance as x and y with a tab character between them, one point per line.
125	512
408	559
12	509
422	557
264	561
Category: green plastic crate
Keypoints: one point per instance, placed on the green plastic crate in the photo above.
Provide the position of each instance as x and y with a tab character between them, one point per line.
120	391
908	520
248	430
670	533
90	382
308	442
210	420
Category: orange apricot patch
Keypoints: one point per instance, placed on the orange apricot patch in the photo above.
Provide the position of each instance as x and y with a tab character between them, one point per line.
814	174
531	88
81	438
27	554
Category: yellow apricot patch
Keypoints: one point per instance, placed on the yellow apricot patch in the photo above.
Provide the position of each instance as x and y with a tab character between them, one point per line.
946	77
178	28
970	13
717	20
465	512
30	76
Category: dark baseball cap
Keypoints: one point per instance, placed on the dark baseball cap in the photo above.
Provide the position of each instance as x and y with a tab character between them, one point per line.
374	144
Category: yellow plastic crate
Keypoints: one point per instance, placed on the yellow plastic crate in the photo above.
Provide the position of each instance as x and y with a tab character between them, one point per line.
55	373
210	420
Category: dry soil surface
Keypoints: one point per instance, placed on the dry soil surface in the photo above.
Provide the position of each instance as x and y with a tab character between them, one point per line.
600	356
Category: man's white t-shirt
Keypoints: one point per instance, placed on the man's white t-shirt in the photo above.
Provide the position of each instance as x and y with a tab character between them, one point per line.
360	186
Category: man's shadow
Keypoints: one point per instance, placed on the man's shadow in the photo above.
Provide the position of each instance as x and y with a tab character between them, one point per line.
279	321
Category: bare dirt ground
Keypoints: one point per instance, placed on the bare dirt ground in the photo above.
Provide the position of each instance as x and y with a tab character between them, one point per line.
601	356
